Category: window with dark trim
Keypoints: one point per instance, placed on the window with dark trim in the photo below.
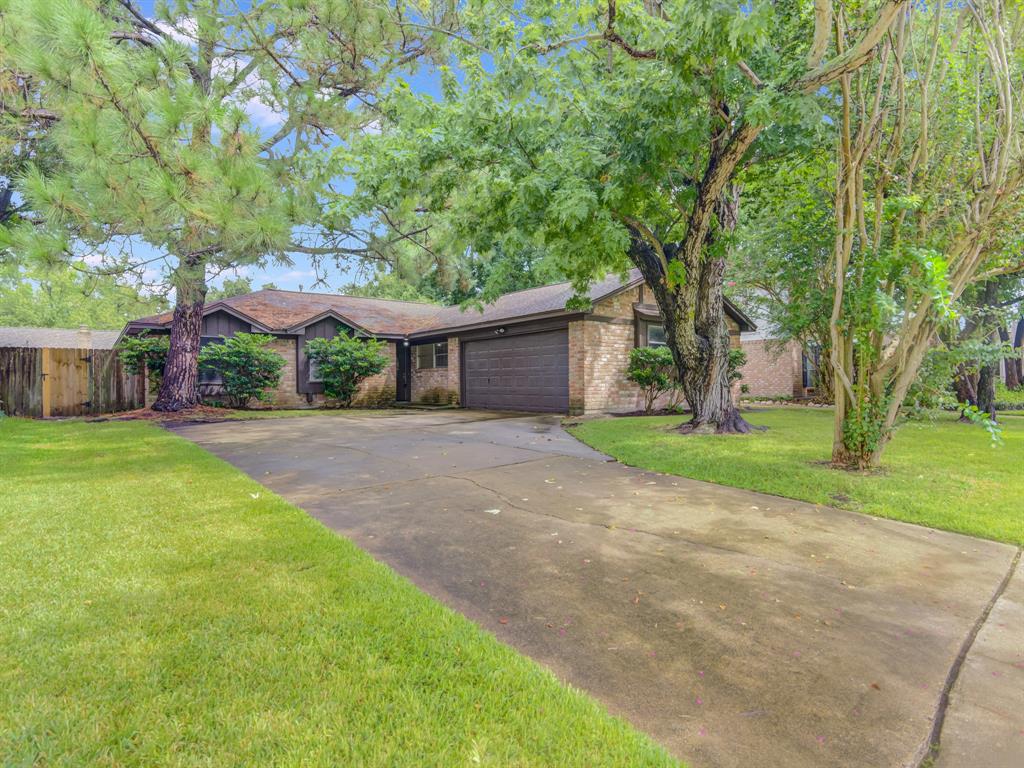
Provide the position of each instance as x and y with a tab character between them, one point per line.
313	375
432	355
811	360
210	375
656	335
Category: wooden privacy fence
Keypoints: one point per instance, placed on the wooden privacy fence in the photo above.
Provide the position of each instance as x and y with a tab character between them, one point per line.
66	382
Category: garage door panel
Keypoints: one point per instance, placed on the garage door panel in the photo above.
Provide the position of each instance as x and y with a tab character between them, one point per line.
528	372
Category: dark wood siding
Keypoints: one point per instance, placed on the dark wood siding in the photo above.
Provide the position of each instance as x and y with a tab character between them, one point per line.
224	324
323	329
528	372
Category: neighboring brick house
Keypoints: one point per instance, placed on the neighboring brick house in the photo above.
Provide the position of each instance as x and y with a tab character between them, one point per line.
525	351
773	369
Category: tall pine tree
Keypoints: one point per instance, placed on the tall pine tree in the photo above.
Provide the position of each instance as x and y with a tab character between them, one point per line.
198	131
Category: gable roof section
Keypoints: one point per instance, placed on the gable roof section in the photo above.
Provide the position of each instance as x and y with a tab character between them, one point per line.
279	311
288	312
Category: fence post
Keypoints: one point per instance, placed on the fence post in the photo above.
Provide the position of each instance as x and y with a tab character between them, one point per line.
47	382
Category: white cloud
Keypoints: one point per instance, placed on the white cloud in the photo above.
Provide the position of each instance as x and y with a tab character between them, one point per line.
263	116
183	30
296	274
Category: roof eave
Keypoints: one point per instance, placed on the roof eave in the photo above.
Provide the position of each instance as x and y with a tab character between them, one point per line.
484	324
741	317
745	323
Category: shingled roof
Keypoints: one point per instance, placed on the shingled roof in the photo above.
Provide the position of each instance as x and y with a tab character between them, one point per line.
277	311
57	338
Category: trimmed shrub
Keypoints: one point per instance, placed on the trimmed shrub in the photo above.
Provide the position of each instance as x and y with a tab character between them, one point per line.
344	361
653	370
248	370
145	354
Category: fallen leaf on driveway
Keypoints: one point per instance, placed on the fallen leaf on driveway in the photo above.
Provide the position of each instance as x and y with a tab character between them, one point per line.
503	620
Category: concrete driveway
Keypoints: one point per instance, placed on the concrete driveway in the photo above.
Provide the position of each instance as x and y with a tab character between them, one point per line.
737	629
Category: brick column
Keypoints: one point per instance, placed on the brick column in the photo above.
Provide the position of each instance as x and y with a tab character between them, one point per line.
454	371
577	367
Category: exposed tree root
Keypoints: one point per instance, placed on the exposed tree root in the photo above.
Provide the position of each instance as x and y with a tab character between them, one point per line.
731	424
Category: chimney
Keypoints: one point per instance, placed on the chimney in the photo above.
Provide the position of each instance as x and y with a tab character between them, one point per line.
84	337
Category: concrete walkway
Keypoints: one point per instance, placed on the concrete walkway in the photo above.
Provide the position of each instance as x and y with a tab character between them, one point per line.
738	629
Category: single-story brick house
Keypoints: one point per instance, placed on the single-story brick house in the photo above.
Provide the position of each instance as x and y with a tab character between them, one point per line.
525	351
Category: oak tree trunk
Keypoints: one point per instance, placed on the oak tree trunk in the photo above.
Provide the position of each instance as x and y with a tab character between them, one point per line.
987	377
1014	367
989	373
693	308
966	389
179	388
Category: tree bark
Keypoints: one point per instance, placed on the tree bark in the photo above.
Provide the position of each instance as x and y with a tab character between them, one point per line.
966	389
1018	345
1014	374
179	388
987	389
988	374
693	309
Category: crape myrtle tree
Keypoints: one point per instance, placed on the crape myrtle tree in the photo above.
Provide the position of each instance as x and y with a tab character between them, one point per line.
615	133
928	201
198	130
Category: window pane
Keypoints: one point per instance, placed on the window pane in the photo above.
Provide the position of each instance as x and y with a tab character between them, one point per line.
441	354
209	375
425	356
655	335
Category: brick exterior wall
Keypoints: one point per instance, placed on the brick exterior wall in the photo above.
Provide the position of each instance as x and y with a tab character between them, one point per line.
599	347
287	395
375	391
609	333
437	385
577	366
772	370
380	389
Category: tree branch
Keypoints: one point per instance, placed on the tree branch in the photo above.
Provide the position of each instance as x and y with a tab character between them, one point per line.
854	57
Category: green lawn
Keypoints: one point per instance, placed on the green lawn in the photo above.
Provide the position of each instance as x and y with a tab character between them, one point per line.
158	607
942	474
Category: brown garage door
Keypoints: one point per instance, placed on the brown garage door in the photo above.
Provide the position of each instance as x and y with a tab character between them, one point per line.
519	373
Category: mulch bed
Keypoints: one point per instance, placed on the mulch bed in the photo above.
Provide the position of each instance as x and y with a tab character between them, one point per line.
200	414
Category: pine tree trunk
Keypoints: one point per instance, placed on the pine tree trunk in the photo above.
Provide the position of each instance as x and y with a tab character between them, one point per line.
179	388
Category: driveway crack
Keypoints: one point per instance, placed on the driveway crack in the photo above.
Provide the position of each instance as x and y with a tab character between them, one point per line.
930	748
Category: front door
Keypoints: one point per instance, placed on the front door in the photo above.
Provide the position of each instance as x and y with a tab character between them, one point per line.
403	358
